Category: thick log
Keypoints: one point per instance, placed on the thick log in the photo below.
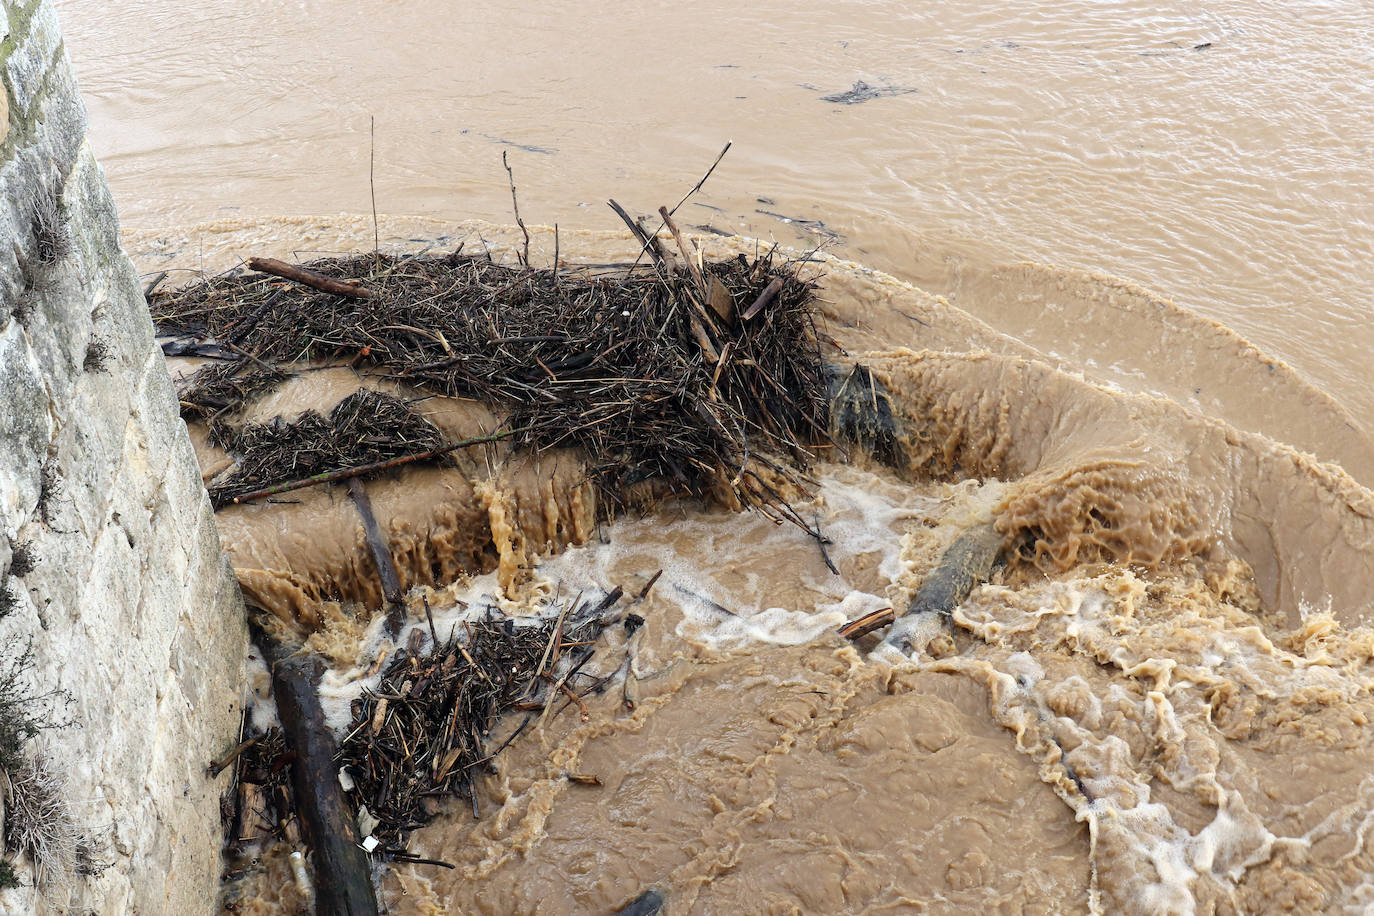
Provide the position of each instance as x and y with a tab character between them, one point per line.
968	562
343	879
351	288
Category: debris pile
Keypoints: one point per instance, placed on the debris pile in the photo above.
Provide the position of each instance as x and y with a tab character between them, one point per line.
703	379
367	427
223	387
708	377
422	734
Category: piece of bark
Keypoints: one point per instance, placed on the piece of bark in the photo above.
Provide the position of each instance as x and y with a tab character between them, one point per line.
252	803
873	620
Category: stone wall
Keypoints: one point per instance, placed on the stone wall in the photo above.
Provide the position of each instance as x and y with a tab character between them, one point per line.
130	606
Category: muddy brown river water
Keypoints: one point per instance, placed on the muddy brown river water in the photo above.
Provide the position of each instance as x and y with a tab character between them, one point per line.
1113	262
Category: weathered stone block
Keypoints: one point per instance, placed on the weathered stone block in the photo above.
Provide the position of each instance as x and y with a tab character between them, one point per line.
25	424
32	56
133	609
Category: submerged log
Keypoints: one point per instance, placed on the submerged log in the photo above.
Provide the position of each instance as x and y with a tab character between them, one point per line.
343	879
966	563
648	903
861	413
381	557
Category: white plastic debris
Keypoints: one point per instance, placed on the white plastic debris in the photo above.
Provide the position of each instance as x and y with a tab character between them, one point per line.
303	883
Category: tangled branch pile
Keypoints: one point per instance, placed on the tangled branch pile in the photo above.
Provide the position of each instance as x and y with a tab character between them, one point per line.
363	428
700	377
421	735
222	387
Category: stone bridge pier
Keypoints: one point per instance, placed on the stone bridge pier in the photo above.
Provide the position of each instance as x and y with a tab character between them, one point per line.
110	565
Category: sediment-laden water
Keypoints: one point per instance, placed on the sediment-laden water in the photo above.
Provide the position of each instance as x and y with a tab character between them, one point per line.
1162	706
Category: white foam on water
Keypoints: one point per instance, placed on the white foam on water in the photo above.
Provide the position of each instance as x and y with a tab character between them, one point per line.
715	581
705	557
1169	665
262	705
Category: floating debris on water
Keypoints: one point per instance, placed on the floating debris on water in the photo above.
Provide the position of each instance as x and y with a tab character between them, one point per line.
659	373
863	92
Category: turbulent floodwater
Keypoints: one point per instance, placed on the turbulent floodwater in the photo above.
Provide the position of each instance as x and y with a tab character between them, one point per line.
1162	706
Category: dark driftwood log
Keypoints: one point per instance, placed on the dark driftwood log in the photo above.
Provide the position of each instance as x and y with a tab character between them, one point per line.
324	284
969	561
381	556
861	413
646	904
343	880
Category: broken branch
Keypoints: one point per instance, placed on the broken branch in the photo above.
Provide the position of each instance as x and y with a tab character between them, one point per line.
351	288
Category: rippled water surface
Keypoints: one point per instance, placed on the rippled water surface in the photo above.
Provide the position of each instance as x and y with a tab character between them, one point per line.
1217	153
1128	247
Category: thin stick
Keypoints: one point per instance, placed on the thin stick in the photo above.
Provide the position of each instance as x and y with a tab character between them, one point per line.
697	187
553	638
644	592
351	288
682	247
219	765
416	860
574	698
346	473
515	205
640	233
821	541
434	634
372	188
153	283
